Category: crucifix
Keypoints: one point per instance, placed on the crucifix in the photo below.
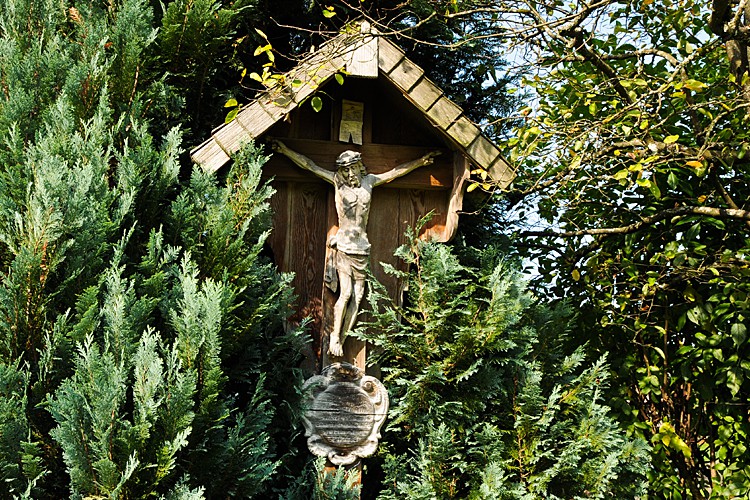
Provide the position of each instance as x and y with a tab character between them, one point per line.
393	113
350	246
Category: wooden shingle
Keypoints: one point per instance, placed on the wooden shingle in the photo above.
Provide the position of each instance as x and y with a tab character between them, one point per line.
424	94
444	112
463	131
388	55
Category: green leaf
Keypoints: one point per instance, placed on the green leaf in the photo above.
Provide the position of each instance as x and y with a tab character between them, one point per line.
672	180
739	333
655	191
231	115
316	103
339	78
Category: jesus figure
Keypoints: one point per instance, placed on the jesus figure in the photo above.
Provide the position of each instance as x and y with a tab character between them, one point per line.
353	192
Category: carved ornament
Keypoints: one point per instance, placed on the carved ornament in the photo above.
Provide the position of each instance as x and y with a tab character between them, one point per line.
345	411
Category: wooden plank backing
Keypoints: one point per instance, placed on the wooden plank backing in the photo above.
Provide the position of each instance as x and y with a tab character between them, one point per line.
298	245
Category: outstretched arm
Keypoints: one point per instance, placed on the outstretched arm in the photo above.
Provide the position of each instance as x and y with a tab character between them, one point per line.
404	168
302	161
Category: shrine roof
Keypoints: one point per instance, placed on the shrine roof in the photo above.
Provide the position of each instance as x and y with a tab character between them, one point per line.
363	54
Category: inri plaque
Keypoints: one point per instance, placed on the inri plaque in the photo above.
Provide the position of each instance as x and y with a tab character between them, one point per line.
345	411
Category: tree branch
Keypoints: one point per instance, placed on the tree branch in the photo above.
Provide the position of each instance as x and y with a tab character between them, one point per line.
724	213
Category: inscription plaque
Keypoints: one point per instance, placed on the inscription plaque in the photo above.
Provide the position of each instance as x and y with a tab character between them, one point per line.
345	411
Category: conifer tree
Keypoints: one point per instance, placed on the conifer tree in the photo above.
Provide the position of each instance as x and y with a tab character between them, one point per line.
484	401
142	352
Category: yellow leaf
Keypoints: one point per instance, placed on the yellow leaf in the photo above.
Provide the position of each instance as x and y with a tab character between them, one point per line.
702	198
576	275
472	187
622	174
671	139
694	164
695	85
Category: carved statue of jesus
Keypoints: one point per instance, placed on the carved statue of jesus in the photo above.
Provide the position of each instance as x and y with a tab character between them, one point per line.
351	249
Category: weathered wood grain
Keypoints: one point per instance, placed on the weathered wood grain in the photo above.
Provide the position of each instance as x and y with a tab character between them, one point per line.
463	131
444	112
424	94
210	155
364	58
501	172
298	244
405	75
483	152
388	55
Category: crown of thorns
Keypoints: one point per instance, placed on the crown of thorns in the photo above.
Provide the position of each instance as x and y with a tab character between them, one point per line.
348	158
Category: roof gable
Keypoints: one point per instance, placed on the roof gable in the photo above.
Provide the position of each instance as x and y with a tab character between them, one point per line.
364	55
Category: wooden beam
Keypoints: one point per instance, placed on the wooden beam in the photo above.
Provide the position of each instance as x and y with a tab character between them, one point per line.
461	173
377	158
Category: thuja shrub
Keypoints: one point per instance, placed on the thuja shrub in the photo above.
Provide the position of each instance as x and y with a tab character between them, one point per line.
485	402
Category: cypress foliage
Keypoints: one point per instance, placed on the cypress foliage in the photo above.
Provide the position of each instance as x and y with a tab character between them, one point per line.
142	352
485	403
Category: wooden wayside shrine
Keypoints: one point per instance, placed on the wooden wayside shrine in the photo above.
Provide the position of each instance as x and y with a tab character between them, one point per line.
387	110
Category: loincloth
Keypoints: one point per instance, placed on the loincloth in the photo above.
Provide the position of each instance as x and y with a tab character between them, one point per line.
352	265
